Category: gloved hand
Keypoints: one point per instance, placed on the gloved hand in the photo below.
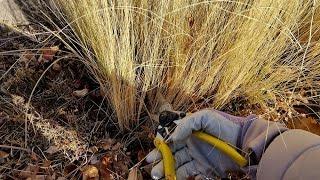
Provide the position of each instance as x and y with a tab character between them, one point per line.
197	158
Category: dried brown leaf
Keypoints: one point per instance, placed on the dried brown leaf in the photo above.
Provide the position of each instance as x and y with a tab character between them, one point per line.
46	163
135	174
17	100
106	160
141	155
29	172
90	172
107	144
27	56
93	149
3	155
56	66
48	54
117	146
52	150
81	93
94	159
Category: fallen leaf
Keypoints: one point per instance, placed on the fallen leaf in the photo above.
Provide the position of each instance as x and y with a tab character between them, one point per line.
116	146
27	56
52	150
90	172
135	174
106	160
3	155
94	159
141	155
104	166
81	93
93	149
46	163
17	100
34	156
107	144
62	111
56	66
48	54
105	174
29	172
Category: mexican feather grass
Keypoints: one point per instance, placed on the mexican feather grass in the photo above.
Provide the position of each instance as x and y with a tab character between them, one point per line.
197	53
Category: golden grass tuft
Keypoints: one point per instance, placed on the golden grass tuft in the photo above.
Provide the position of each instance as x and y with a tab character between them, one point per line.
197	53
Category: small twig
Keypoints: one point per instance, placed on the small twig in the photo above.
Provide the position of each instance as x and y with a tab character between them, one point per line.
14	147
138	163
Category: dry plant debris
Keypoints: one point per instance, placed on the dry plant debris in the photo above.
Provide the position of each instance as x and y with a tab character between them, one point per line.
196	53
63	139
90	173
237	56
135	174
65	131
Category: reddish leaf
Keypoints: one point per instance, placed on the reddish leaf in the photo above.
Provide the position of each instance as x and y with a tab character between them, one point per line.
48	54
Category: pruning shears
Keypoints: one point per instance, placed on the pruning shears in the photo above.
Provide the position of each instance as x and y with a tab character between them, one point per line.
167	125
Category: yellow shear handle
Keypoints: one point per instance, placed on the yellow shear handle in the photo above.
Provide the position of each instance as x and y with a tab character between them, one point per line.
168	159
169	162
223	147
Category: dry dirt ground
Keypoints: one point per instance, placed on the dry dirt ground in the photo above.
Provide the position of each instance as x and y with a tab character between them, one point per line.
65	131
66	118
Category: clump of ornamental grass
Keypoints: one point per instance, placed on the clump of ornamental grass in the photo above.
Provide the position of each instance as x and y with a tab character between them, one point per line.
196	53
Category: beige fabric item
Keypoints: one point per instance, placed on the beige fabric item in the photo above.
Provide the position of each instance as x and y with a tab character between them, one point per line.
293	155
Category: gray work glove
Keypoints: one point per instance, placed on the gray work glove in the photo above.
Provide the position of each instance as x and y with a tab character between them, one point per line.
194	157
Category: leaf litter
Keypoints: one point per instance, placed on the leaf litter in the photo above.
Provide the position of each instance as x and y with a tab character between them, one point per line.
63	139
69	135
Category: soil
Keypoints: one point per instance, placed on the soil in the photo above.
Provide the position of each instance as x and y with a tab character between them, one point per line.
69	132
66	97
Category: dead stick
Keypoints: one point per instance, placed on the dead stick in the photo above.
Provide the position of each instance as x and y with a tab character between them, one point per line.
14	147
